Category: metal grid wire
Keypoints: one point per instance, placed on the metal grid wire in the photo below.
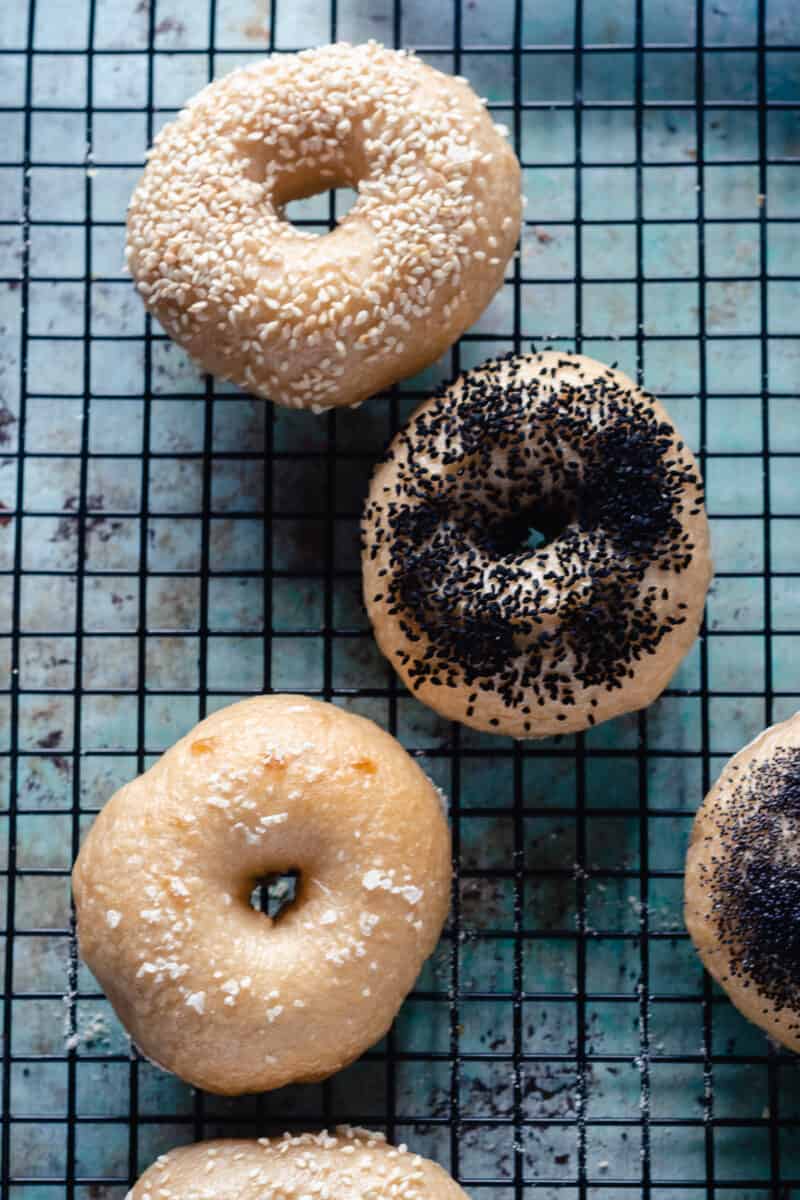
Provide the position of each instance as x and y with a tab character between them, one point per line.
168	544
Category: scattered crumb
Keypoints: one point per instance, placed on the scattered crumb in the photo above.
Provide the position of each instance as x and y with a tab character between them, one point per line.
95	1030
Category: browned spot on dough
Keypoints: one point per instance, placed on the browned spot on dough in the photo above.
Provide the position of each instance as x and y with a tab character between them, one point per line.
274	763
366	765
203	746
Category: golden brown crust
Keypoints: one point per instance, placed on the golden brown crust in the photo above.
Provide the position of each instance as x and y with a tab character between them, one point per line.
316	322
350	1164
731	813
672	596
208	987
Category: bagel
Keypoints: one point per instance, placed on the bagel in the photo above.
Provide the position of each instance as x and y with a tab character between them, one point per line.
317	322
536	640
742	889
222	995
350	1164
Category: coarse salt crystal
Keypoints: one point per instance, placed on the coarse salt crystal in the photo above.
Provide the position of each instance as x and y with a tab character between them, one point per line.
375	879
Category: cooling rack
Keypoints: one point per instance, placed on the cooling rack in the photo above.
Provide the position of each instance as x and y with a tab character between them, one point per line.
168	544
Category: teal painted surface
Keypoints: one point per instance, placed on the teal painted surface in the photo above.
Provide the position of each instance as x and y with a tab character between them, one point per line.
193	623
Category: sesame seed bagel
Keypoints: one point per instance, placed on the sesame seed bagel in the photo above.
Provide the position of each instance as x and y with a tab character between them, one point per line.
316	322
742	889
224	996
350	1164
531	640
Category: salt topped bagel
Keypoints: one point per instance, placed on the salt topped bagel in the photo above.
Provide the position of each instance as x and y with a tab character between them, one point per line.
742	897
215	991
528	640
308	321
350	1164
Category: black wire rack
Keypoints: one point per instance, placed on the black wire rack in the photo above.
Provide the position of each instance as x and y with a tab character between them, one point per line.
167	544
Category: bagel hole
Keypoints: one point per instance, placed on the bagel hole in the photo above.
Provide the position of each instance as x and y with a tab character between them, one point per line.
532	528
321	212
274	894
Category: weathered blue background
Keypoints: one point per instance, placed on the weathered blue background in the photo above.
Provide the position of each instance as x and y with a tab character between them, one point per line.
168	544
